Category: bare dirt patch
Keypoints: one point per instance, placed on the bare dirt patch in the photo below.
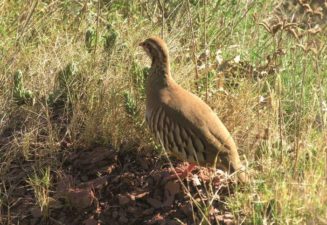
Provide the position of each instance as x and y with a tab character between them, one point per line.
103	186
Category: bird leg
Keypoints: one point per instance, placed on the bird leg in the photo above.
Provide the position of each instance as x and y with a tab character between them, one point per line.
182	173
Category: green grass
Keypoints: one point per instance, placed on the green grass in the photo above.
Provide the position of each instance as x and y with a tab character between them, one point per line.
104	102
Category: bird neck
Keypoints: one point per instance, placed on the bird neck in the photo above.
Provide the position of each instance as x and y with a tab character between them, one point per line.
159	75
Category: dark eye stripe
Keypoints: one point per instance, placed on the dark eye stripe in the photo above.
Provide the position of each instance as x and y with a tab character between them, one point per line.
156	50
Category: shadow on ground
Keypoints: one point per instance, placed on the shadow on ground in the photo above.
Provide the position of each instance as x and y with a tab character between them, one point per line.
103	186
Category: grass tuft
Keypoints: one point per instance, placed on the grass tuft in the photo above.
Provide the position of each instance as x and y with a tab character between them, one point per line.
72	76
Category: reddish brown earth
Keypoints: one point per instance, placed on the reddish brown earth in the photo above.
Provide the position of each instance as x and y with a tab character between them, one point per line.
104	186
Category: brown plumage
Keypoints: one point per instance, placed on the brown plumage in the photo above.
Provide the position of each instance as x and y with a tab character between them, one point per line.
184	124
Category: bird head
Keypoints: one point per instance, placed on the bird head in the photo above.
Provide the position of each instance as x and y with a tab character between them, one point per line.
156	49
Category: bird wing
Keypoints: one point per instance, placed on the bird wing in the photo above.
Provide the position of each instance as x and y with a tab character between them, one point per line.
198	133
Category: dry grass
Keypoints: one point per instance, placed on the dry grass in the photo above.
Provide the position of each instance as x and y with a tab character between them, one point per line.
279	121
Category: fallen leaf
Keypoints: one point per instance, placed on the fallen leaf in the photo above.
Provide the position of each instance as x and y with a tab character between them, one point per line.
195	180
154	203
111	168
171	189
123	199
134	210
97	183
156	219
139	195
148	212
65	183
123	219
90	221
80	198
54	203
187	209
97	156
36	212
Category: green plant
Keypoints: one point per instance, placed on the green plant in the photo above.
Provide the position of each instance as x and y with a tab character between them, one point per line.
20	94
139	78
278	121
62	95
130	104
40	183
110	39
90	39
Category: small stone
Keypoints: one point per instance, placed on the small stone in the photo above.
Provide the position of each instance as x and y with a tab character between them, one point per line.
123	199
123	219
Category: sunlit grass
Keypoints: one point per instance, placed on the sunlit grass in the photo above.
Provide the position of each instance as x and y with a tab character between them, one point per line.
278	121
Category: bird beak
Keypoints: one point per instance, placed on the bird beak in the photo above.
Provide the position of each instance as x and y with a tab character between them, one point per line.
141	44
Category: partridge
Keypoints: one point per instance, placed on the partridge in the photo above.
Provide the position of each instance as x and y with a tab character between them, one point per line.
184	124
